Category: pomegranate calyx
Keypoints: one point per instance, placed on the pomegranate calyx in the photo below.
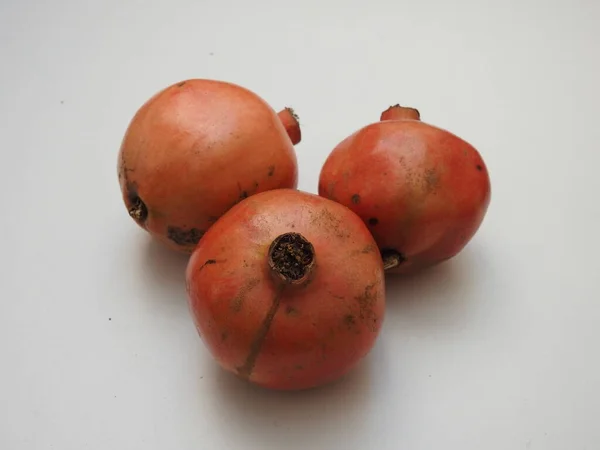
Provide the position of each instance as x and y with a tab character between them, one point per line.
397	112
138	210
291	122
291	258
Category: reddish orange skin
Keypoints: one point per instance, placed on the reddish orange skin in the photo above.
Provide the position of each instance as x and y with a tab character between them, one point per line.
197	148
421	190
320	330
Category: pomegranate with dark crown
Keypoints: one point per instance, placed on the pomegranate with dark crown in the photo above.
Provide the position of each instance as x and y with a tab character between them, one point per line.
287	290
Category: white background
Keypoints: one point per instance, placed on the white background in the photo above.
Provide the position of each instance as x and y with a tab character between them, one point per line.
496	350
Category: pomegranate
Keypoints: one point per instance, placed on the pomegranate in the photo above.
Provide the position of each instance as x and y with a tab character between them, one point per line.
422	191
287	290
197	148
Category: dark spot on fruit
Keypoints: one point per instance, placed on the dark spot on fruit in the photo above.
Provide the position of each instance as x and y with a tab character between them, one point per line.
349	320
184	237
373	221
271	170
291	311
243	195
224	336
180	84
479	167
210	261
356	199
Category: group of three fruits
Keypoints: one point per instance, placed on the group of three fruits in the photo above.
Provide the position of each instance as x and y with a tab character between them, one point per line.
286	288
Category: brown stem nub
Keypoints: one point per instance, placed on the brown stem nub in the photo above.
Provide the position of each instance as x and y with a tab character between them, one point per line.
291	122
291	258
398	112
391	259
138	210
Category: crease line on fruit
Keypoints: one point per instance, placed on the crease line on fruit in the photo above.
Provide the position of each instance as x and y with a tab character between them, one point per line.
246	369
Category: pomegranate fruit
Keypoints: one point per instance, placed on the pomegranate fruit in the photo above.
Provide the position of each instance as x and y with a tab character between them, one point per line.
287	290
195	149
422	191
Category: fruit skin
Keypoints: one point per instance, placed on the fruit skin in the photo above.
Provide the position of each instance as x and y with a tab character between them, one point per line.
321	329
421	190
194	150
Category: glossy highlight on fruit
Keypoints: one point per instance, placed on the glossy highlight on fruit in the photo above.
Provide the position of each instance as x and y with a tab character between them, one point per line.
287	290
197	148
422	191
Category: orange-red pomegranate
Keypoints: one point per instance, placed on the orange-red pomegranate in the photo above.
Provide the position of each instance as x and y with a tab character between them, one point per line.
197	148
287	290
422	191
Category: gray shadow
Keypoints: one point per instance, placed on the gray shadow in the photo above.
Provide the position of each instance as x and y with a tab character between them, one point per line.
443	296
163	274
303	419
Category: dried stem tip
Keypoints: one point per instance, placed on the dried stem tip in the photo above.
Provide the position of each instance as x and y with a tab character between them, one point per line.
291	258
391	259
138	210
291	122
398	112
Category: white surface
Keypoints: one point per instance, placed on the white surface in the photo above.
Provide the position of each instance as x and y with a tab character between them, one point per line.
496	350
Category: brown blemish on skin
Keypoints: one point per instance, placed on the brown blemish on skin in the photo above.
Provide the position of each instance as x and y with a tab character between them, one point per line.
245	370
208	262
271	170
366	301
224	336
181	83
479	167
329	222
373	221
291	311
237	302
356	199
368	249
349	320
184	237
432	180
243	195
